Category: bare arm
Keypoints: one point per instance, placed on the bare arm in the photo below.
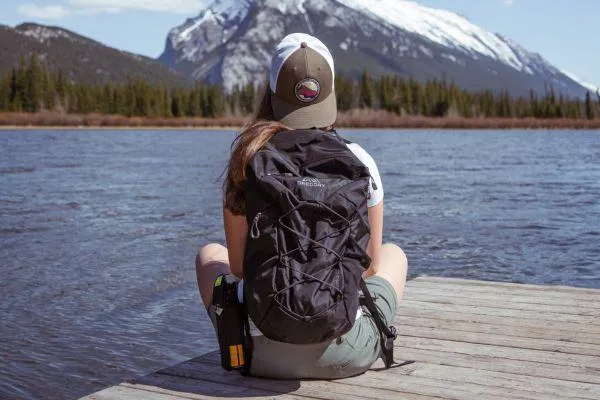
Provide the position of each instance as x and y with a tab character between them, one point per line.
375	243
236	229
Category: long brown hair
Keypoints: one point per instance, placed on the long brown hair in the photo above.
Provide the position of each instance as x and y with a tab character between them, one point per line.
252	138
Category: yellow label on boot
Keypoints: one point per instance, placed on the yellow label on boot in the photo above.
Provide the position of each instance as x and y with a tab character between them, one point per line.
219	280
241	354
236	355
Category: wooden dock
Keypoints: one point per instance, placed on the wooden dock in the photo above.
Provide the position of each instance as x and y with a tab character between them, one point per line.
468	340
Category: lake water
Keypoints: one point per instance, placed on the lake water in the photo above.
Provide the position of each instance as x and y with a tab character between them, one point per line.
99	229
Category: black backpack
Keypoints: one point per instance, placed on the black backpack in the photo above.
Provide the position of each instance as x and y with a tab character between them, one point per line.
308	230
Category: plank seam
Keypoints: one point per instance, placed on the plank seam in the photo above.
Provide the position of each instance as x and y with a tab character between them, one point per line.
502	358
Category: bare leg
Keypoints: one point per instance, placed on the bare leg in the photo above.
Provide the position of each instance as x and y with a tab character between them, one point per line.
212	260
393	266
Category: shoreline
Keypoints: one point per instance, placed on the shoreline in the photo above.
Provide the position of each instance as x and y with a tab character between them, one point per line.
355	119
115	127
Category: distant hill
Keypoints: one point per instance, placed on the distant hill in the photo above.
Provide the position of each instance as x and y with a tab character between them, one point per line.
81	58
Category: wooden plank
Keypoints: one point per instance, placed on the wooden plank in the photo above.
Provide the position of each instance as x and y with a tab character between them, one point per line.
205	370
499	328
486	362
437	383
500	340
504	296
427	289
473	376
514	321
126	393
433	386
501	301
145	392
185	387
393	387
548	357
456	282
557	292
457	375
592	321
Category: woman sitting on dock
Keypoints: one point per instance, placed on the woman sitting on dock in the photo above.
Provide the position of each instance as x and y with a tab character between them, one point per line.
301	96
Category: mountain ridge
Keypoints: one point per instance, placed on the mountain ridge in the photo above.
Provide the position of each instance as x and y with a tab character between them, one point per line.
83	59
221	45
230	42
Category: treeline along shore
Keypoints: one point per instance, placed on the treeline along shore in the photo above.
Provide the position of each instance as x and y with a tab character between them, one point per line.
33	95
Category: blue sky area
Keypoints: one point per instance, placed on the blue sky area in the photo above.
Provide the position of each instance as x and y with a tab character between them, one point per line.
565	32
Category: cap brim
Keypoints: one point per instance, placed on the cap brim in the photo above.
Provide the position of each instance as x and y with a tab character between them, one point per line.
319	115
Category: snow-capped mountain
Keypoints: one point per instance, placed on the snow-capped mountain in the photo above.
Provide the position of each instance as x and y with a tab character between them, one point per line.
230	42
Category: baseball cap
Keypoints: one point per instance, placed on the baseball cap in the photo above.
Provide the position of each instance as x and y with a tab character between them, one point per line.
302	83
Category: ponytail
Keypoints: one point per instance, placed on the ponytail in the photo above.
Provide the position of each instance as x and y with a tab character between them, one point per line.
244	147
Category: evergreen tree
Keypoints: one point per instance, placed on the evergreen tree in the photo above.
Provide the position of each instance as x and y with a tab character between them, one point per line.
166	103
84	102
248	98
589	106
406	103
117	104
367	95
48	91
62	90
32	89
18	98
344	89
234	101
5	93
194	102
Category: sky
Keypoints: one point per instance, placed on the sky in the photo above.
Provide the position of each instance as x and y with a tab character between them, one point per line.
565	32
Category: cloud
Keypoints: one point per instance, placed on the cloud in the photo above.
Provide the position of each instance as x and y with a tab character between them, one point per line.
96	10
509	3
44	12
172	6
93	7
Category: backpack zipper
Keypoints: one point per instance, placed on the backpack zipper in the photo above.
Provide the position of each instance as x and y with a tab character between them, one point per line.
303	167
254	231
373	185
324	159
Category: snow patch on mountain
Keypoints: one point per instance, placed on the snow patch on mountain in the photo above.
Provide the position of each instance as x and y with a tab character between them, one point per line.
43	33
216	11
440	26
453	58
288	6
592	88
534	63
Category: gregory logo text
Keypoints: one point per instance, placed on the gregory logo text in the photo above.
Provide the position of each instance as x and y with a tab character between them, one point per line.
314	182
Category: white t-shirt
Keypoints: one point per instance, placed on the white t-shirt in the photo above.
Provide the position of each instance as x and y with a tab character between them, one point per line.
374	197
376	187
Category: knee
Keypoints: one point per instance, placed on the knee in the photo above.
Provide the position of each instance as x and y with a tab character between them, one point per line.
211	252
396	253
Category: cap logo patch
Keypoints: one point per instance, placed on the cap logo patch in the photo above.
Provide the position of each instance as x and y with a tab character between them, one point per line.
307	90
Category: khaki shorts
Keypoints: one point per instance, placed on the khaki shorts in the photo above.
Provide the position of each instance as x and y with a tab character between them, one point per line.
350	355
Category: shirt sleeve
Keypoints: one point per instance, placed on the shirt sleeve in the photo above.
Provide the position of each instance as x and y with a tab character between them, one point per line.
375	195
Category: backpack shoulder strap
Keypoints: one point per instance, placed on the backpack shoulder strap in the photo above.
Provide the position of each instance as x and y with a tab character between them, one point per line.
343	139
387	333
291	138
